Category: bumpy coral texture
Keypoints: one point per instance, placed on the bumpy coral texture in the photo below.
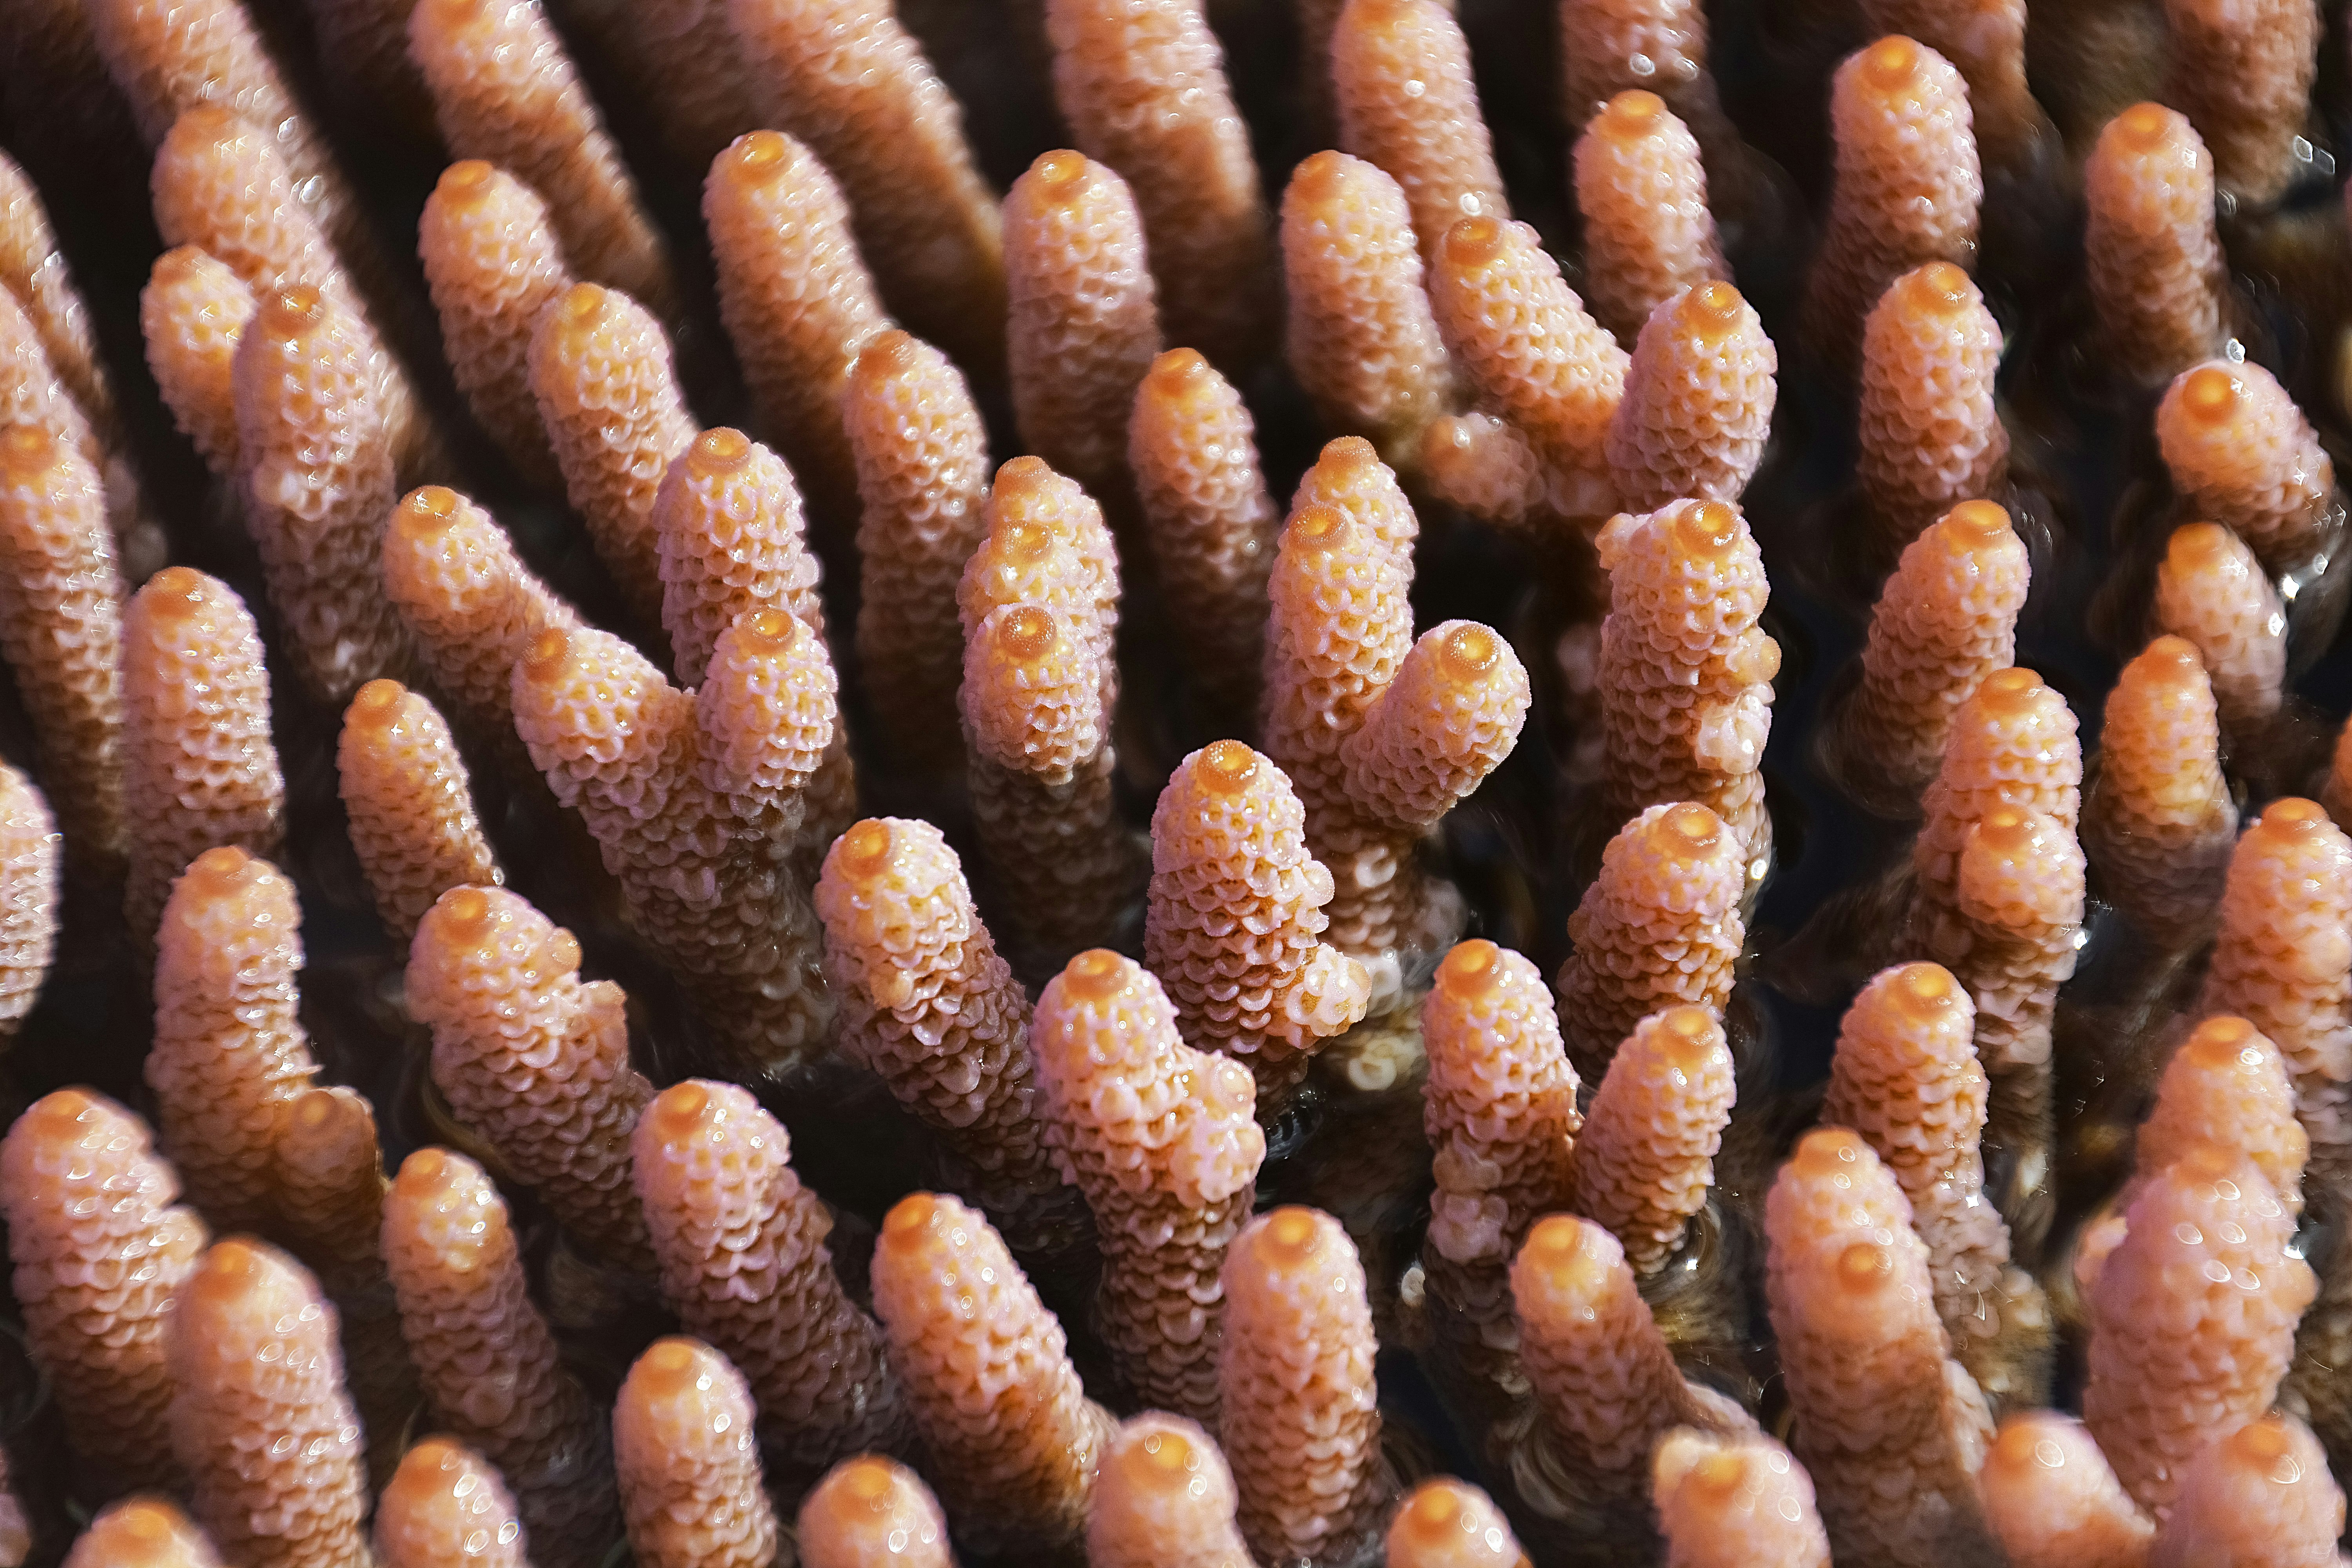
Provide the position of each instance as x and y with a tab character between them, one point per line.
505	91
260	1417
2244	74
1660	45
142	1532
329	1209
693	799
1699	401
1945	621
796	296
1520	337
318	482
1142	84
1039	602
742	1245
1647	1154
1192	449
1686	671
199	769
2193	1319
492	261
1401	76
2160	824
1736	1502
922	484
1234	918
2053	1499
62	630
2014	742
1085	324
489	1364
1648	233
1906	1076
101	1250
447	1506
2280	961
2262	1494
470	604
689	1464
926	1003
1890	1429
844	78
2150	251
1014	1437
1931	437
1659	927
409	805
230	1056
2212	591
533	1060
227	184
2244	455
1908	184
1165	1499
1358	331
1163	1140
1300	1423
731	537
1604	1381
1499	1108
2227	1085
168	57
191	314
36	270
30	910
870	1513
2019	909
599	370
1447	1523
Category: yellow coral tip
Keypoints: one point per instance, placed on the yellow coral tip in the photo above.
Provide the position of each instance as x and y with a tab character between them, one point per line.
1476	240
763	154
2266	1445
1027	634
1564	1247
2294	815
868	1482
1687	1038
2010	690
1098	975
1291	1235
377	704
1318	528
1472	969
670	1366
1827	1149
1435	1512
910	1219
221	870
428	509
1469	653
866	847
290	313
176	591
1720	1473
1939	288
1979	521
1890	63
1060	174
1227	766
888	354
680	1108
1926	991
2143	126
721	449
543	659
1633	112
2208	395
1693	827
2008	830
465	911
2219	1042
581	306
1708	529
467	180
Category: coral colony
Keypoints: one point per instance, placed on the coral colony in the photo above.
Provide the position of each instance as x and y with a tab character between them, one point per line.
1174	784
